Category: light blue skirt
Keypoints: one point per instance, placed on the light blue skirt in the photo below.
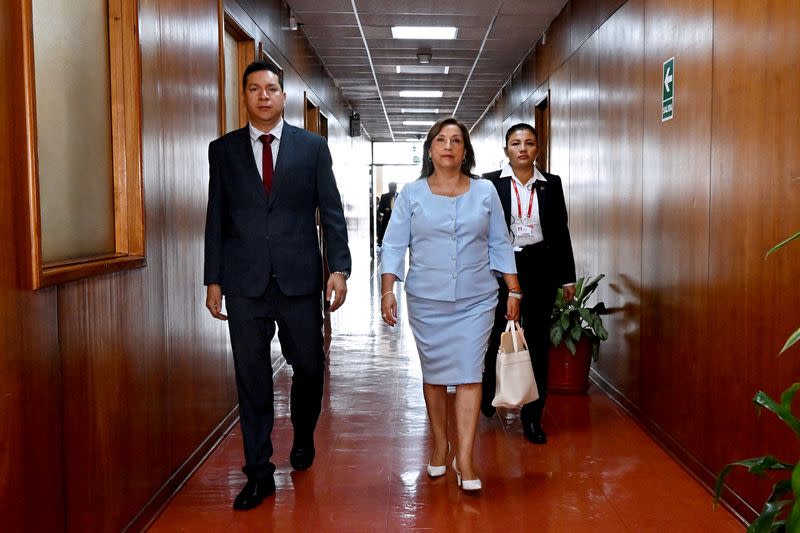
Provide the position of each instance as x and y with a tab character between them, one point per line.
452	337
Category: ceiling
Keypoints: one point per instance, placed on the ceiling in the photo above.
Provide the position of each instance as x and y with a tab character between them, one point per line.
353	38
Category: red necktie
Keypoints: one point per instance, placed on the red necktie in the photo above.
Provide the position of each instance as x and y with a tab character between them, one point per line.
266	161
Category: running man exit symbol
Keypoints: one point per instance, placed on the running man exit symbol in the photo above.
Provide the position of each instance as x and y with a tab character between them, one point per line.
668	89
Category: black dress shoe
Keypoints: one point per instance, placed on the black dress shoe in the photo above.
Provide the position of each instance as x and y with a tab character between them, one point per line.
488	409
253	493
302	456
534	433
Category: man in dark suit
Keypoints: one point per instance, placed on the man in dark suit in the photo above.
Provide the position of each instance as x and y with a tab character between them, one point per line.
262	253
385	206
536	214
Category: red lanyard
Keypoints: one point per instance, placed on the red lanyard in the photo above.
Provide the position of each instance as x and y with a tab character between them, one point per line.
519	201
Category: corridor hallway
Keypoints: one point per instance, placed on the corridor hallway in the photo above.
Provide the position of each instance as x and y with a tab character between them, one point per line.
599	472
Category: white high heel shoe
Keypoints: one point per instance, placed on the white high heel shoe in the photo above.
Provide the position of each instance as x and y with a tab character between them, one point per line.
439	471
467	485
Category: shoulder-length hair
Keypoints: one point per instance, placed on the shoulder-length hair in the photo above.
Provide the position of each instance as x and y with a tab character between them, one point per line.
469	153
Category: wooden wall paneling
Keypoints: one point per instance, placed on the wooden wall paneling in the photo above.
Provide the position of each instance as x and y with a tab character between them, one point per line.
677	358
755	203
30	378
201	390
116	433
541	66
620	62
582	187
560	127
606	8
527	81
559	41
583	21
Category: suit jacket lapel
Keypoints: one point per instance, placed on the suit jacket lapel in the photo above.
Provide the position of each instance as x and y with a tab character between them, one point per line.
282	164
244	147
504	192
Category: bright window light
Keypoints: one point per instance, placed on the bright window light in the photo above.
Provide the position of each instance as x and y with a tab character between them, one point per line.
418	110
418	122
424	32
421	69
421	94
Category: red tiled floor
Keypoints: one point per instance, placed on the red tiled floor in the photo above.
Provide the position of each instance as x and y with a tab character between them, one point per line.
599	471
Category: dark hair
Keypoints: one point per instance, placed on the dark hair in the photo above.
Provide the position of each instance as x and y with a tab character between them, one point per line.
518	127
255	66
469	154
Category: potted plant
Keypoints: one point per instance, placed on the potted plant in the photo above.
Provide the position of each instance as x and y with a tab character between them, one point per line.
576	333
781	511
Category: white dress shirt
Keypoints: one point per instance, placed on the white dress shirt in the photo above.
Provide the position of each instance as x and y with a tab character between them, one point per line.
258	147
526	230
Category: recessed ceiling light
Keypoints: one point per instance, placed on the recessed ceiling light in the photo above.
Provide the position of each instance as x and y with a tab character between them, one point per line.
418	110
421	69
421	94
424	32
418	122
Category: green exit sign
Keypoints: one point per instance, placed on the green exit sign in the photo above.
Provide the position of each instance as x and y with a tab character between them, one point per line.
668	89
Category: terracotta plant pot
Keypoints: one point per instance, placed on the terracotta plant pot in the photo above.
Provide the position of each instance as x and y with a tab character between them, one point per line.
569	374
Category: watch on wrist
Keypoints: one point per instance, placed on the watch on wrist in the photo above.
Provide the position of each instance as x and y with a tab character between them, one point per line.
345	275
515	294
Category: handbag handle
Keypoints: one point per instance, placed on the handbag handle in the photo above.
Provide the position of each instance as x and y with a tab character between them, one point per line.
513	327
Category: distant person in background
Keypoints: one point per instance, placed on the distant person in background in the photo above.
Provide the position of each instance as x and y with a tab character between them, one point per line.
536	215
385	206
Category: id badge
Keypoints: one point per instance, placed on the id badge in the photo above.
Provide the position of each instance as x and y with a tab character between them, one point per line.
523	228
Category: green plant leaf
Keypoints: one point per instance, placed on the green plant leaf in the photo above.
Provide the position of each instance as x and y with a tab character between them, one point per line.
595	350
783	243
556	334
587	315
782	410
758	466
766	521
601	331
565	321
570	345
599	309
792	339
793	521
576	332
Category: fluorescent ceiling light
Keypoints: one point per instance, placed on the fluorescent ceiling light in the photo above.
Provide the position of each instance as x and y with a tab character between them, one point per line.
418	122
418	110
421	69
421	94
424	32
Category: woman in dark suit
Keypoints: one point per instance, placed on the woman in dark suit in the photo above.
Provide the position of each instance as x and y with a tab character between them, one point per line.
536	214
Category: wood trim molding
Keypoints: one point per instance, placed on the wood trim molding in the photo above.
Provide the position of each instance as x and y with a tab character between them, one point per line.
148	514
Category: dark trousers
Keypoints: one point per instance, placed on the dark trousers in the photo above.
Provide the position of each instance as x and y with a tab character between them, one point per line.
251	322
538	297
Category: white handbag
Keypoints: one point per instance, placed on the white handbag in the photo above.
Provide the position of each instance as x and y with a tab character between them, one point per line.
515	384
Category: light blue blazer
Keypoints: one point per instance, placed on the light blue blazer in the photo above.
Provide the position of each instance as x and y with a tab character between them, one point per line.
458	246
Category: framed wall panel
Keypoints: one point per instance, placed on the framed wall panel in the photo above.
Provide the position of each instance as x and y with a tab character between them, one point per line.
62	132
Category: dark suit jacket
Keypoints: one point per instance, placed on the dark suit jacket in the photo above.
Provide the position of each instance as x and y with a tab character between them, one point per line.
553	217
250	235
385	203
385	208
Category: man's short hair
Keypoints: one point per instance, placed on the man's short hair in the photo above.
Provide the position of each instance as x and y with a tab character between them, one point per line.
255	66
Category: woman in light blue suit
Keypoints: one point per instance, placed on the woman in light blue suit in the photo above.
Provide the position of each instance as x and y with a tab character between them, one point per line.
455	229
